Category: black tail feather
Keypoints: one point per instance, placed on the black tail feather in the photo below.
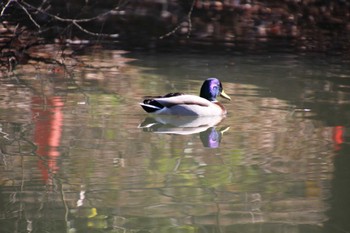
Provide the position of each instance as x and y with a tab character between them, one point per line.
148	108
151	105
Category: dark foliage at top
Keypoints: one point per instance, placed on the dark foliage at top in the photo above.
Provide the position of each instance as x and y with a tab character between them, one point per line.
313	25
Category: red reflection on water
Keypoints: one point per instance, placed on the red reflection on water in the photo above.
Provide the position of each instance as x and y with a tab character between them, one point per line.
47	133
338	139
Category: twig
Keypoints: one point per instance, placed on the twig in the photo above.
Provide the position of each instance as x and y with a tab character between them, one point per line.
77	21
70	19
4	8
188	19
23	8
93	33
189	15
171	32
29	15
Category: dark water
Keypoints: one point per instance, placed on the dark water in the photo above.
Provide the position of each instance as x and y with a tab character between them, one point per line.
76	157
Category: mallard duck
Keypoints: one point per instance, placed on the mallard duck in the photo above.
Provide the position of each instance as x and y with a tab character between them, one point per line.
191	105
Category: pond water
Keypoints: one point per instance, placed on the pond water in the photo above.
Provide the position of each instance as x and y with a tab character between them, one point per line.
76	155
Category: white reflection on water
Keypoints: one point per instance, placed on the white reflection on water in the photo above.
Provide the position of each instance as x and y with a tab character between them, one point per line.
206	127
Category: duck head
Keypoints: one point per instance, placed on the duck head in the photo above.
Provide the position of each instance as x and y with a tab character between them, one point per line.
211	88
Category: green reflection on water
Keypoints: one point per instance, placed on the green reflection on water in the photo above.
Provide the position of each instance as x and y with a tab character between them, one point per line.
271	170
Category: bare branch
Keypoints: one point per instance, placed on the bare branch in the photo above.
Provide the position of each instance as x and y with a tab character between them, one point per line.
69	19
4	8
93	33
29	15
189	21
189	15
23	8
73	21
171	32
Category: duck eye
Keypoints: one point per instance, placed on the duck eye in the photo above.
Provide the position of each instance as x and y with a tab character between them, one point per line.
215	89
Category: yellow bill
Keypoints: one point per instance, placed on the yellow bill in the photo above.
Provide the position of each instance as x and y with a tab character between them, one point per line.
224	95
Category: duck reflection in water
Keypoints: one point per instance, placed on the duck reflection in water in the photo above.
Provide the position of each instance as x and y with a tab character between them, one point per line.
206	127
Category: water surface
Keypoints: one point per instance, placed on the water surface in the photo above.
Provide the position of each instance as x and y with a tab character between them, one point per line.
76	155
